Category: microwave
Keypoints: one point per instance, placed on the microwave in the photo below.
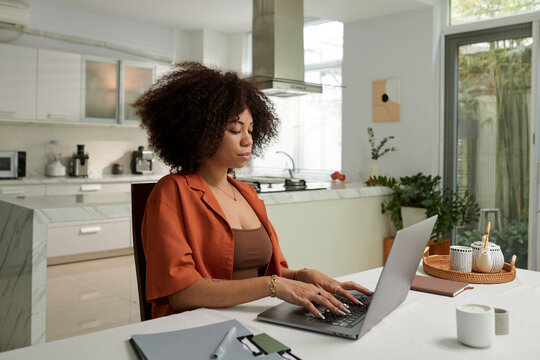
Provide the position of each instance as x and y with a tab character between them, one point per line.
12	164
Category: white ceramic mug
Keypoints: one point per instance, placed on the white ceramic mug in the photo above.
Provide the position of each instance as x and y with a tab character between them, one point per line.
475	325
460	258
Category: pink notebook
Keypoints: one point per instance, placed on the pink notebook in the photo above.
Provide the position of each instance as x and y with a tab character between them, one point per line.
438	286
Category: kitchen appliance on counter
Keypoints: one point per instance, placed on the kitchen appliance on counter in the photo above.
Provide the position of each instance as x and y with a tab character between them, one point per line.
79	163
142	161
12	164
54	167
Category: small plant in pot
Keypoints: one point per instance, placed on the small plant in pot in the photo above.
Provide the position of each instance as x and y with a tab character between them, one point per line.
377	150
424	191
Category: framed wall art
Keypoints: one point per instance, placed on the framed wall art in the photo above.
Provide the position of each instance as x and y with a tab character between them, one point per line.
386	100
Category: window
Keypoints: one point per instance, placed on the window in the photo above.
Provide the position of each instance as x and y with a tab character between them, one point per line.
465	11
311	124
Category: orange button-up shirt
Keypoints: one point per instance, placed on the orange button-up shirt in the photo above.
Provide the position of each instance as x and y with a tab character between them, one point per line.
186	237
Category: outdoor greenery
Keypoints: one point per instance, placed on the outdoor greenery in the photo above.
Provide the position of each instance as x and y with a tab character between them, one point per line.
512	239
424	191
467	10
504	72
378	150
494	91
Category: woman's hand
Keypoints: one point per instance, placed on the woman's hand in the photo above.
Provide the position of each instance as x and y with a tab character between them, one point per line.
332	286
306	295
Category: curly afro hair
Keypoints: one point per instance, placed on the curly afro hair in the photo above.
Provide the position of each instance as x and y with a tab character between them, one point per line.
186	112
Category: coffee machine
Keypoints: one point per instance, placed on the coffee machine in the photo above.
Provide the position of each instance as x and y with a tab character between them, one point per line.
142	161
79	163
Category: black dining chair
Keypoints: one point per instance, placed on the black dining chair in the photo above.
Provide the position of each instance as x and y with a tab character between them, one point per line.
139	195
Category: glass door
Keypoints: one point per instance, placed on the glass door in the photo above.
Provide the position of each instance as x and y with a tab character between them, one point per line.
487	132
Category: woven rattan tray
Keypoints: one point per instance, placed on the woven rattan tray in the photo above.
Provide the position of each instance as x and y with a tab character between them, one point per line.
439	266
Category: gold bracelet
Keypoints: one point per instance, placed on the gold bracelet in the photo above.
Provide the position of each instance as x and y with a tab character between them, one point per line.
273	285
295	277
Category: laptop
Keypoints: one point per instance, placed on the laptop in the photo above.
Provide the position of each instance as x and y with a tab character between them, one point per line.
392	288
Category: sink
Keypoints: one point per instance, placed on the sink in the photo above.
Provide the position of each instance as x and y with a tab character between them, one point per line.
263	179
270	184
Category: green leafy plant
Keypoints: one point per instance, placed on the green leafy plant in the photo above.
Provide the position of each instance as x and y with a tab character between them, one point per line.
381	181
378	150
424	191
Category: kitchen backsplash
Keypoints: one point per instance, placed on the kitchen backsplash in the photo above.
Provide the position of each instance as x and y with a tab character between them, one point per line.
104	145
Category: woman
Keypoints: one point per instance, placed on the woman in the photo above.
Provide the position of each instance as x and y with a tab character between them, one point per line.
207	239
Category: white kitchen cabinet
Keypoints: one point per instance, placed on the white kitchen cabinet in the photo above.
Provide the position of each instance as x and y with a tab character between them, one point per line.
18	82
100	90
58	86
87	188
22	190
161	70
87	237
135	79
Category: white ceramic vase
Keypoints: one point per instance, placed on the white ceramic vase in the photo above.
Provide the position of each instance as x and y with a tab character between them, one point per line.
412	215
373	168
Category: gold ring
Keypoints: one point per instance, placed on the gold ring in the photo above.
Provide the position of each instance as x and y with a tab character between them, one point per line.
335	290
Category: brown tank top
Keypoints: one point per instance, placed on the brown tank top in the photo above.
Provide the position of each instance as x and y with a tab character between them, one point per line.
252	252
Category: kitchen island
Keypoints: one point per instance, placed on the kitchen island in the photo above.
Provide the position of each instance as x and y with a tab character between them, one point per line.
24	225
338	230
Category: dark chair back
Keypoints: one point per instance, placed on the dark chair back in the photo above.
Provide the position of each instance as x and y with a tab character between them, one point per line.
139	195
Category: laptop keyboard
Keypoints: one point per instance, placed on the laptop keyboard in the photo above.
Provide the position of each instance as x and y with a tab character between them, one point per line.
358	312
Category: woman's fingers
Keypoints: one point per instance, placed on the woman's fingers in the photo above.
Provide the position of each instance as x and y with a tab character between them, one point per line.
311	308
308	296
341	289
314	297
351	285
330	302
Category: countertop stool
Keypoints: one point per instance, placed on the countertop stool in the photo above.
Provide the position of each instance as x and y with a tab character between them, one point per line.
484	218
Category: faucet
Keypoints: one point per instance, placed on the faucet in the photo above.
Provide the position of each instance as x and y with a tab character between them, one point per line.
291	171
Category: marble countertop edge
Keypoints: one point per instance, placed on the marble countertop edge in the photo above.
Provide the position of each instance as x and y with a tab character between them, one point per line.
99	206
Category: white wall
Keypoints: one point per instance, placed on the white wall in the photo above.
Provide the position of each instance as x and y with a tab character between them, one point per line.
105	145
377	49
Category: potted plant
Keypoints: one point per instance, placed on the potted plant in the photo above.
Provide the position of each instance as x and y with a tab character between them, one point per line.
424	191
377	150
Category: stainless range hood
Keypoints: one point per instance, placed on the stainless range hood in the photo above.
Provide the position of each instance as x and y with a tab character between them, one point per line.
278	48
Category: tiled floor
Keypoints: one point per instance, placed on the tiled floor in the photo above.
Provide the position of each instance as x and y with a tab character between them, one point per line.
89	296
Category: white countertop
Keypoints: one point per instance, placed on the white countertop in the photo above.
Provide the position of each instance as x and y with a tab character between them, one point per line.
80	180
336	190
70	208
98	206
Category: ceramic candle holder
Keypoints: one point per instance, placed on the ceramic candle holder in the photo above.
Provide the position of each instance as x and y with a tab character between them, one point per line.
497	257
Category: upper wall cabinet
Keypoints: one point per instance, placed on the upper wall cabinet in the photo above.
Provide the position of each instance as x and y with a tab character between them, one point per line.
18	69
54	86
100	90
110	87
58	86
135	79
162	70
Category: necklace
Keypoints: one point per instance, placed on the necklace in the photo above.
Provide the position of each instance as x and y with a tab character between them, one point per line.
233	195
